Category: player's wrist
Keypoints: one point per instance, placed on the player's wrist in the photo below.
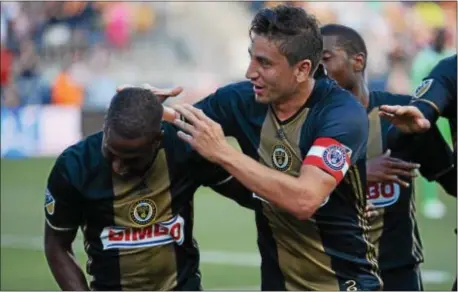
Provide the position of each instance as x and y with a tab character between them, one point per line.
226	154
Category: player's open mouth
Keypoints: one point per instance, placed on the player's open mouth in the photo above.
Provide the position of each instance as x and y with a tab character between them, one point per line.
258	89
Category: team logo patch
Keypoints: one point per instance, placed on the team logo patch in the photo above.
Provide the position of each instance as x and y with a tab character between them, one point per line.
334	157
281	158
49	202
423	87
143	212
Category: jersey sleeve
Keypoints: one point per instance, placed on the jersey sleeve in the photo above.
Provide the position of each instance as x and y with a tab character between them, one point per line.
437	90
341	139
63	203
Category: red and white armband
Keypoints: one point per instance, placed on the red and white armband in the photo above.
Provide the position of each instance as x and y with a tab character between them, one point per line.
331	156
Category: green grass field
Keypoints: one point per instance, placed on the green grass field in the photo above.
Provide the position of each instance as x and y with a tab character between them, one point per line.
226	234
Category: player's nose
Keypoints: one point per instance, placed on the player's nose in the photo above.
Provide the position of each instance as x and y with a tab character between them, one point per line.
251	72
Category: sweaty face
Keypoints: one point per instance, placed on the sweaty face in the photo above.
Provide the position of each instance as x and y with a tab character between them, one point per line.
129	157
269	71
337	63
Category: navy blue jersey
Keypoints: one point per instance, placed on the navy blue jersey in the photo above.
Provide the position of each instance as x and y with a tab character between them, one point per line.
395	230
439	88
138	233
331	250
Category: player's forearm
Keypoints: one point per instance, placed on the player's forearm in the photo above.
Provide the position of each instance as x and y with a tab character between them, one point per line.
66	270
278	188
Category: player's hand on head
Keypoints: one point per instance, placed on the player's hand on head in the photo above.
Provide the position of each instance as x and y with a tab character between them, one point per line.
408	119
161	93
384	169
202	133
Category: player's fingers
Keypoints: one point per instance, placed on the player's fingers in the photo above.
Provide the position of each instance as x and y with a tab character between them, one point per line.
395	179
185	137
371	211
169	114
199	114
386	116
423	124
188	128
189	116
166	92
404	173
395	163
389	109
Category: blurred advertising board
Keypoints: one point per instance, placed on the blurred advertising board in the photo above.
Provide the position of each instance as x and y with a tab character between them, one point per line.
35	131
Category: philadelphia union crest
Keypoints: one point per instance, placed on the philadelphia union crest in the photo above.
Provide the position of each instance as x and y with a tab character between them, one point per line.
281	158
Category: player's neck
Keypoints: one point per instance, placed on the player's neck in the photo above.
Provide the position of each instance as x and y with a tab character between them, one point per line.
361	91
286	108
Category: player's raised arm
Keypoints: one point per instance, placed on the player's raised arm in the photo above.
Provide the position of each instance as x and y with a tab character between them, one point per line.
434	96
63	217
324	166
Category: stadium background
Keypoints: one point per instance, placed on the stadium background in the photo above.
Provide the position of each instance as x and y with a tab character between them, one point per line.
61	62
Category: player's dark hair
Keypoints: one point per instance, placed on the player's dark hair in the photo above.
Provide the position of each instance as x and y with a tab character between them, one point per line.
134	113
347	38
296	32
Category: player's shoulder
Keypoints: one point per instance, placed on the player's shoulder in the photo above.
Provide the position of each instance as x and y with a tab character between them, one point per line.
336	100
378	98
445	67
78	161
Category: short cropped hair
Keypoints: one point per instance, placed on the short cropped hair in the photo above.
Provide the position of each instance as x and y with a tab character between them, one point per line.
296	31
135	113
347	38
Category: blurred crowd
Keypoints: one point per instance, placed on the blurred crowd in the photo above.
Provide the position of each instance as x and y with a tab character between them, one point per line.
76	53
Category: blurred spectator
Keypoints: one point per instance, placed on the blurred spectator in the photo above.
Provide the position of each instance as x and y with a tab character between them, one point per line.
428	57
6	65
169	42
100	88
65	90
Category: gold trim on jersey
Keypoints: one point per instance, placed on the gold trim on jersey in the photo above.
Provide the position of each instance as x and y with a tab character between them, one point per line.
371	254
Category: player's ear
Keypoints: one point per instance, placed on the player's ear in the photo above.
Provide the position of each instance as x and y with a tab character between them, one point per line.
359	62
303	70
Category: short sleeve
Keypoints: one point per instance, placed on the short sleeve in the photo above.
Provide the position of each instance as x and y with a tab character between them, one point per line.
63	203
342	133
438	87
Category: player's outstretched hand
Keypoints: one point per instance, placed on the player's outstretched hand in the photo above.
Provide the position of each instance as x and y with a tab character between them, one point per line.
202	133
408	119
385	169
161	93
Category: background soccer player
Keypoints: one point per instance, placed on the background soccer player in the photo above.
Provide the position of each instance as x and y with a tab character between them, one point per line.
130	188
394	229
